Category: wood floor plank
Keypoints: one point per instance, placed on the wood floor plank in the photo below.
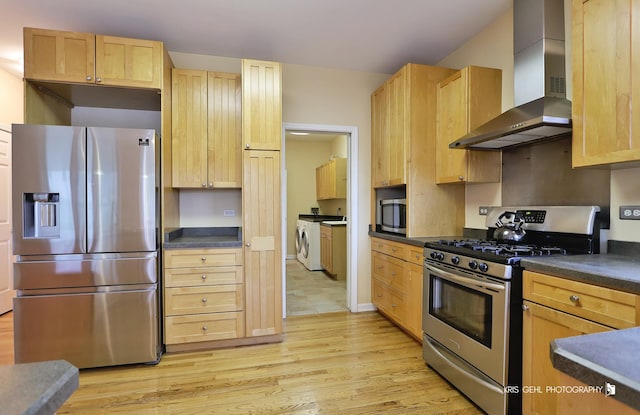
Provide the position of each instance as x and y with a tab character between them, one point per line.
340	363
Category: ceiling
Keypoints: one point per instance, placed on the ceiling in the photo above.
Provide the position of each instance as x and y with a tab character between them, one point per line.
365	35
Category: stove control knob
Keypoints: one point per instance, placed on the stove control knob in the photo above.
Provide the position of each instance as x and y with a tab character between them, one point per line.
440	256
455	260
433	255
483	267
473	264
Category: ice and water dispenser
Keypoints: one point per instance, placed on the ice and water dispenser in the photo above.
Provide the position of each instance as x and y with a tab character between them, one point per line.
41	215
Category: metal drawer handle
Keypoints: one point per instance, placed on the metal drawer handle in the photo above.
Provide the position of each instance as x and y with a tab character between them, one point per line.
394	249
574	298
204	300
204	328
204	277
525	307
204	258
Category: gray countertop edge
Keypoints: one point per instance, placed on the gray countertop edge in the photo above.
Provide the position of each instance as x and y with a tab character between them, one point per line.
37	388
570	356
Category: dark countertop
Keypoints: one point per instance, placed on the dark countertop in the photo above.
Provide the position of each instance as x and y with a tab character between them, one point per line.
607	270
416	241
36	388
595	359
222	237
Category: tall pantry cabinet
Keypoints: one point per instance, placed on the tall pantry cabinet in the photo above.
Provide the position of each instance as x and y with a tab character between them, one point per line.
261	134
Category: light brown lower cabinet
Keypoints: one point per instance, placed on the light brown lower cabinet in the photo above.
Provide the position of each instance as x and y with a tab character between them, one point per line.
396	285
333	250
203	295
556	308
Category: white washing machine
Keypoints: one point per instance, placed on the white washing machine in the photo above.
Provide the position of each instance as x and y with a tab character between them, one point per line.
308	244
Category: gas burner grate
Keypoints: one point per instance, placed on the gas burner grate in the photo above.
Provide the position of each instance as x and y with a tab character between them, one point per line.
503	249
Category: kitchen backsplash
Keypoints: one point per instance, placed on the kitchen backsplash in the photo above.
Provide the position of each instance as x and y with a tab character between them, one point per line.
541	174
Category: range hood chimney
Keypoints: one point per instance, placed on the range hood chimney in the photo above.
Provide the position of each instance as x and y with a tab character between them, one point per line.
542	110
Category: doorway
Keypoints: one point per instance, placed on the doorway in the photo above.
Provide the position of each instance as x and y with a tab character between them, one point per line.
324	142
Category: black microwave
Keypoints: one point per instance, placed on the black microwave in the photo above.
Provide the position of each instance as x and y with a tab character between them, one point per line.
393	215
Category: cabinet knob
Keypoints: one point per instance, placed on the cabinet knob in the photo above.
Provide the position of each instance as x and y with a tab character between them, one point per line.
204	277
98	79
204	258
89	77
394	249
204	300
525	307
247	145
210	184
248	244
461	178
574	299
204	328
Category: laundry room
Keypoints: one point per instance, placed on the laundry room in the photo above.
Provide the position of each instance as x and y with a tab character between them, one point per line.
316	172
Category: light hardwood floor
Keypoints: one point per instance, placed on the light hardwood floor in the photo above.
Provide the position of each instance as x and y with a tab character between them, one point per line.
336	363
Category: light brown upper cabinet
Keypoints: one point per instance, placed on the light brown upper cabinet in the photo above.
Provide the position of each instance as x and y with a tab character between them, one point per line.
331	180
379	134
71	57
466	100
605	63
206	126
261	105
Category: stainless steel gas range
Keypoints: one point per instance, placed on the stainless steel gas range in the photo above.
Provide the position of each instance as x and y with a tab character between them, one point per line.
472	293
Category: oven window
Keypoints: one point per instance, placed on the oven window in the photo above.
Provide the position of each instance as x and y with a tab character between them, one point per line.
465	309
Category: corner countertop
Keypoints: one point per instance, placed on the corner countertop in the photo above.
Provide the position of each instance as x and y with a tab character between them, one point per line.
215	237
600	358
36	388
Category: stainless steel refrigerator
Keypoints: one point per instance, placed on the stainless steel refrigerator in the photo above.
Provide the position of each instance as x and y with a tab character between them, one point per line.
85	220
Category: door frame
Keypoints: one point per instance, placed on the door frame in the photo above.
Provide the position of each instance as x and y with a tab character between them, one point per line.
352	206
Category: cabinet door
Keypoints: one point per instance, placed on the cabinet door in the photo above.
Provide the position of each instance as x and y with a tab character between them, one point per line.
414	299
606	42
51	55
224	130
398	127
189	128
261	105
541	325
326	249
128	62
261	229
452	123
467	100
379	137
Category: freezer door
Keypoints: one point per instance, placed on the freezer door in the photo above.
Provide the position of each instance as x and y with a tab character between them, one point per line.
90	329
48	189
121	190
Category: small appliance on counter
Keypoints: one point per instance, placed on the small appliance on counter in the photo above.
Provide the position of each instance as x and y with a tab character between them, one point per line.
85	226
472	297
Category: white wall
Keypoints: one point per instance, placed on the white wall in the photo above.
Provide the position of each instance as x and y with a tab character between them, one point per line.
11	99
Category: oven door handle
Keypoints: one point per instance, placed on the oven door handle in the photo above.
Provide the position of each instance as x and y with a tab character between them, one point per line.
466	281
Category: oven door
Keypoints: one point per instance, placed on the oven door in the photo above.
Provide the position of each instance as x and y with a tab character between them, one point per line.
467	314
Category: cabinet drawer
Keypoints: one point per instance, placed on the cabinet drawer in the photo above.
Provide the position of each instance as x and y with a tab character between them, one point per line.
389	270
388	301
185	277
204	327
182	258
194	300
392	248
415	255
606	306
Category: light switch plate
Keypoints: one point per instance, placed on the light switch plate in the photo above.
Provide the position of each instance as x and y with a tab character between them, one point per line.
631	212
229	212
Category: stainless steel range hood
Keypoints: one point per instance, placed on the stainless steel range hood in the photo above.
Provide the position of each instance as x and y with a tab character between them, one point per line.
542	110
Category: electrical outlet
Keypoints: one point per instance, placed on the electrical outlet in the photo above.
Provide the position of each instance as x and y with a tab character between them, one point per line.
483	210
229	212
630	212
